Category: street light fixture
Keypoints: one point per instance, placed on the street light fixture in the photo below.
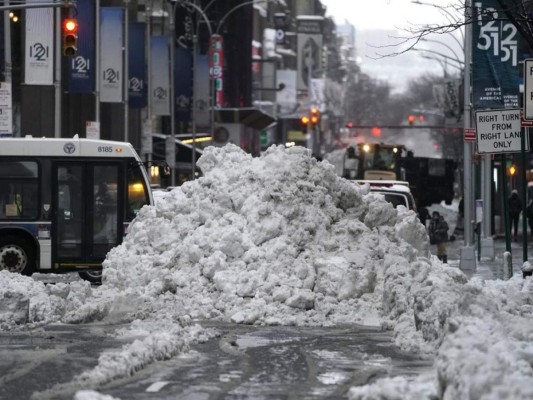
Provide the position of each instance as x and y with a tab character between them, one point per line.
442	44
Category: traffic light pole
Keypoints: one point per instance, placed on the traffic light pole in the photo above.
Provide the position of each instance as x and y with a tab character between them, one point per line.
57	75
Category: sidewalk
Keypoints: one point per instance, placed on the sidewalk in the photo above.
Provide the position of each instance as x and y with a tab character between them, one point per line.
486	268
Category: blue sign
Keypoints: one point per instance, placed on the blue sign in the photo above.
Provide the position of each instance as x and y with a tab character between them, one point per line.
183	79
81	68
495	58
136	65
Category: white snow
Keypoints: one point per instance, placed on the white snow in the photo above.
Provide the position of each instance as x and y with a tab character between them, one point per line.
281	239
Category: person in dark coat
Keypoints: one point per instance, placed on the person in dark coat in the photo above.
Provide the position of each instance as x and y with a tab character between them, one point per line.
515	208
423	215
438	234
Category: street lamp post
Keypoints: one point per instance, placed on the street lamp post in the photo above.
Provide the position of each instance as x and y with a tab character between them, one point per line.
468	257
172	27
212	33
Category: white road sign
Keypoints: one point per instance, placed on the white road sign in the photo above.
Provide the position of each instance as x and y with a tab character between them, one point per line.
498	131
528	89
92	129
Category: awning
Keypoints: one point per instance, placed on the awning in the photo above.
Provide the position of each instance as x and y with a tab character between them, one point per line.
249	116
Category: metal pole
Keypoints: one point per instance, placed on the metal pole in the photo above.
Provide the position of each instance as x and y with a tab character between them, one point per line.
505	202
7	43
7	57
149	74
194	100
126	78
195	95
98	64
57	76
171	91
523	132
468	259
486	248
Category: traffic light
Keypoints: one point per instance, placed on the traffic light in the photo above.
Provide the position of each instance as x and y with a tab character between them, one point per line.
375	131
304	123
411	119
512	170
349	125
315	116
70	37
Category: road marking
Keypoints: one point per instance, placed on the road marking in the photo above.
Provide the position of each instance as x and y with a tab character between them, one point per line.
156	386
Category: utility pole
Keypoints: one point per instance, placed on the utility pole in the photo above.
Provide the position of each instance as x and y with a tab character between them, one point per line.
7	58
468	256
57	75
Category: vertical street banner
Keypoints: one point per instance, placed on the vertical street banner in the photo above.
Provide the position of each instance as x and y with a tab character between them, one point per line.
217	68
111	54
6	110
495	72
280	24
39	46
183	84
2	53
80	68
160	75
309	37
137	97
201	89
286	97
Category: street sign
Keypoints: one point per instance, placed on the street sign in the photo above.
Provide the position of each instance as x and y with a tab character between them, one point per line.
498	131
92	129
469	135
528	89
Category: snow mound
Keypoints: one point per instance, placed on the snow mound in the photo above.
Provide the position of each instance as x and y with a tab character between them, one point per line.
281	239
268	240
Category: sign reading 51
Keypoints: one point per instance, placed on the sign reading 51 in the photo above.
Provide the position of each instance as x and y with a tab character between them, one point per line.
499	35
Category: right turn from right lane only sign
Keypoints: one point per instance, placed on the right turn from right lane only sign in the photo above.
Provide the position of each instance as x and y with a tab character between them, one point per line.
498	131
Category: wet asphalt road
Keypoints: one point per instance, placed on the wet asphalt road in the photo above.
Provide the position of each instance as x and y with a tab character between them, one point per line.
244	362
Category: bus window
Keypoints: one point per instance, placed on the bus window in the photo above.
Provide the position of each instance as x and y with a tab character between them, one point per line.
137	192
105	195
70	206
19	190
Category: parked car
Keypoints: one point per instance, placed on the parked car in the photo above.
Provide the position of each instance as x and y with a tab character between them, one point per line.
395	192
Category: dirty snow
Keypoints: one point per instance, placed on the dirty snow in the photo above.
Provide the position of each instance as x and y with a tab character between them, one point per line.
280	239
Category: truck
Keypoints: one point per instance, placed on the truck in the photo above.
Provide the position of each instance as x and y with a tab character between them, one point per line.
431	179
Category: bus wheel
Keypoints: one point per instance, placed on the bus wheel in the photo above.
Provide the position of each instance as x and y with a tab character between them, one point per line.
91	276
17	255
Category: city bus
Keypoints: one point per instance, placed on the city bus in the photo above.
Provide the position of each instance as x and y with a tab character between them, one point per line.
64	203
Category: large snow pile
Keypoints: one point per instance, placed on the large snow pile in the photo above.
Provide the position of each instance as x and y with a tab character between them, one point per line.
280	239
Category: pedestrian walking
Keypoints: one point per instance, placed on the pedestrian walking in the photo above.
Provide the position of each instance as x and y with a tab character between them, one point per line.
515	208
438	234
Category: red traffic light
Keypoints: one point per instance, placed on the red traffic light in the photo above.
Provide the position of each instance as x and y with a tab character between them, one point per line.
70	25
376	131
349	125
70	37
411	119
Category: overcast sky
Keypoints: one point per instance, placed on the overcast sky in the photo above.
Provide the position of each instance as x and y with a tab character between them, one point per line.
386	14
379	24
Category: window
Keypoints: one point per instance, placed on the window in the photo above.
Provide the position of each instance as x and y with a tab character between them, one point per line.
19	190
137	195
